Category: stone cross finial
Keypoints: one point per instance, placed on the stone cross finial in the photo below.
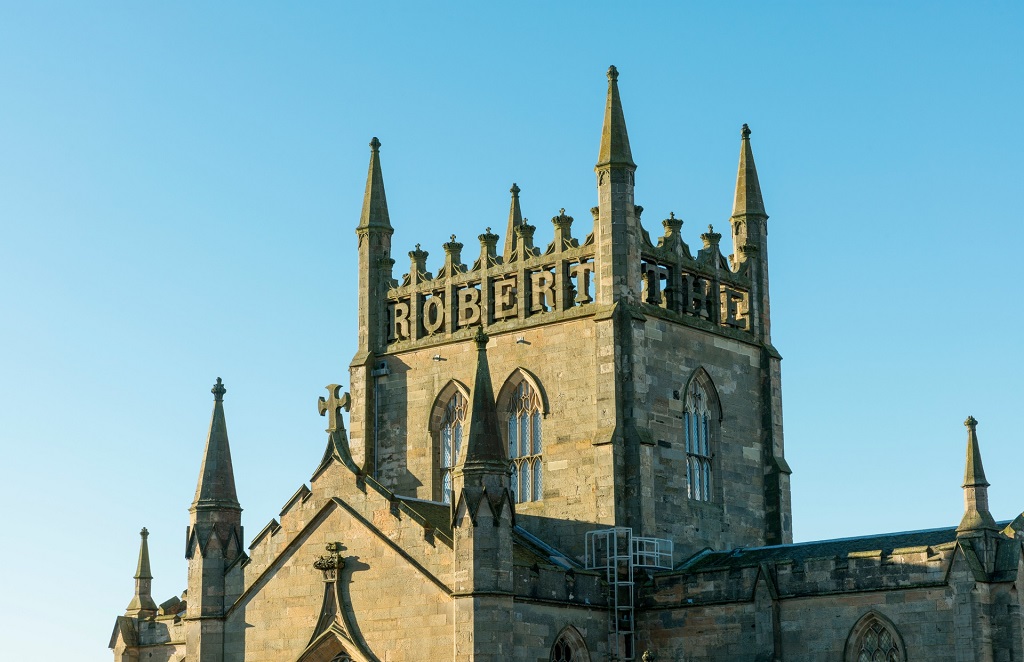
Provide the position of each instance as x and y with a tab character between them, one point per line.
375	144
333	405
218	391
745	131
613	73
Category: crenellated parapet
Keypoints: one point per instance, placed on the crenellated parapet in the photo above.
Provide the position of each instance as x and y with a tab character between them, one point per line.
532	286
538	286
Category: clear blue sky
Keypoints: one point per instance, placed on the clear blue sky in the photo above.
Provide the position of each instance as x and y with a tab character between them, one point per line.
179	185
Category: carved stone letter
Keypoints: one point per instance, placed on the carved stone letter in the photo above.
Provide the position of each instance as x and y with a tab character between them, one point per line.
581	272
398	312
469	306
505	299
433	314
542	291
731	314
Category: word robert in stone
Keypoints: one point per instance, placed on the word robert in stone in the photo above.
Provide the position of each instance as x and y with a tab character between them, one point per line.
459	306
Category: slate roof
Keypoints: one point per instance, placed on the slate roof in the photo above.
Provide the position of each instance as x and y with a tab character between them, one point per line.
745	557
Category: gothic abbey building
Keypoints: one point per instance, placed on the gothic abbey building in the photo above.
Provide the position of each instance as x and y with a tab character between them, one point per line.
569	451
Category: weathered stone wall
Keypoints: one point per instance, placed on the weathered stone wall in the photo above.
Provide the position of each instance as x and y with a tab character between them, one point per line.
668	354
807	610
395	581
563	358
537	626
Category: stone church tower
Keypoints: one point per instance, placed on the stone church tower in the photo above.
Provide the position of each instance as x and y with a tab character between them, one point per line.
567	451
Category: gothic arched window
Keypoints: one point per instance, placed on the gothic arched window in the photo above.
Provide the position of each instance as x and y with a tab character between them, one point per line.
452	430
569	647
525	439
700	420
874	639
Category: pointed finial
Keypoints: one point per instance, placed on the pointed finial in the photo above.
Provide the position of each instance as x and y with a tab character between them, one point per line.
748	199
977	516
514	190
216	487
614	149
375	200
218	391
142	570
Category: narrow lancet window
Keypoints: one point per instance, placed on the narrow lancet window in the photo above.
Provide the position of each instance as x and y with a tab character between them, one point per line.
697	428
525	443
452	430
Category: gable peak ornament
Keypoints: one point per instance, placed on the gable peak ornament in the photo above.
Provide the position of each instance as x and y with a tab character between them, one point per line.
332	407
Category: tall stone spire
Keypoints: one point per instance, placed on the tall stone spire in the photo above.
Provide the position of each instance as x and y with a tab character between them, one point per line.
976	513
375	203
214	540
484	449
216	487
614	139
142	603
515	219
748	189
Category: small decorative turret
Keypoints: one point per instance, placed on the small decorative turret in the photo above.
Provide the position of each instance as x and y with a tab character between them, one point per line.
375	263
977	517
750	237
213	539
617	231
215	534
488	245
515	219
142	604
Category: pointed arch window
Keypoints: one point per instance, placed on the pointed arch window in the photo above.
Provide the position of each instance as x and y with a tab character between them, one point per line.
698	429
525	443
452	431
875	639
569	647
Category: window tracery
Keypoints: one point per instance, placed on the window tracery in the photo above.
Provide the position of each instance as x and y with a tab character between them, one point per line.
874	639
698	425
452	430
569	647
525	443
